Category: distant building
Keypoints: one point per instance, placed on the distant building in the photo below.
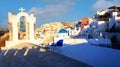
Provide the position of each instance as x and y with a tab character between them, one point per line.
109	19
63	34
85	22
114	18
74	29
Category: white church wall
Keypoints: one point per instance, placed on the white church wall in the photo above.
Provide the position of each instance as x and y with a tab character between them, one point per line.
63	35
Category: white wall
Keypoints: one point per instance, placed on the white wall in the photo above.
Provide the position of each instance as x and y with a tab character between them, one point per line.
114	14
63	35
102	25
111	22
102	12
114	19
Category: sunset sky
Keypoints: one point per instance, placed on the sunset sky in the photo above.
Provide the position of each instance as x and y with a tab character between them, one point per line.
54	10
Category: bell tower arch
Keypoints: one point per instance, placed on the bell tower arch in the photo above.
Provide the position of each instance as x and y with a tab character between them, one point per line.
14	25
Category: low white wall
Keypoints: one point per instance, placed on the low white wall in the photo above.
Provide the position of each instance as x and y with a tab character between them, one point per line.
9	44
75	41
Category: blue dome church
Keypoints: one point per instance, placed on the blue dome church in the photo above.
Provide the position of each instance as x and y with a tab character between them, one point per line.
63	34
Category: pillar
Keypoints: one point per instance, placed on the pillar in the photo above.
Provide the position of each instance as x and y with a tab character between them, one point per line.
31	31
15	31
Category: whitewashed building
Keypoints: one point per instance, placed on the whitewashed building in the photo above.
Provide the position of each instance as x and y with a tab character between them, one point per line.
109	19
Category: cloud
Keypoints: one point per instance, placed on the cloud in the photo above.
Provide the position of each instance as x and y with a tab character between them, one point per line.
50	10
59	9
104	4
53	11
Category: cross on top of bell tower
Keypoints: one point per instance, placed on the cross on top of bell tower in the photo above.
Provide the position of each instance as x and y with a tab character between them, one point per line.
21	9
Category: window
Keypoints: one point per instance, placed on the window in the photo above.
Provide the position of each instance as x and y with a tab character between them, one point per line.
86	22
118	22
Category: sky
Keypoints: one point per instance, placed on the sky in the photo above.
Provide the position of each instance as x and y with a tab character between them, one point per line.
47	11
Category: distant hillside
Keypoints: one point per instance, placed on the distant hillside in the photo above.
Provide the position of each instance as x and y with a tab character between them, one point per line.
3	39
3	31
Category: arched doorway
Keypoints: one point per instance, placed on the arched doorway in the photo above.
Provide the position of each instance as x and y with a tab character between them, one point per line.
22	29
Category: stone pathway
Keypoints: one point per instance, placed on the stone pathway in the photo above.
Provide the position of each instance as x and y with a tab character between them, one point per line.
29	55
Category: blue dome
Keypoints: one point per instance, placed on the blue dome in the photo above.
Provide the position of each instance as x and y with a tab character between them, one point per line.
63	31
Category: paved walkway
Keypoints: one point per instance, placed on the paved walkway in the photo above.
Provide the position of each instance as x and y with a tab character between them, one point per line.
28	55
